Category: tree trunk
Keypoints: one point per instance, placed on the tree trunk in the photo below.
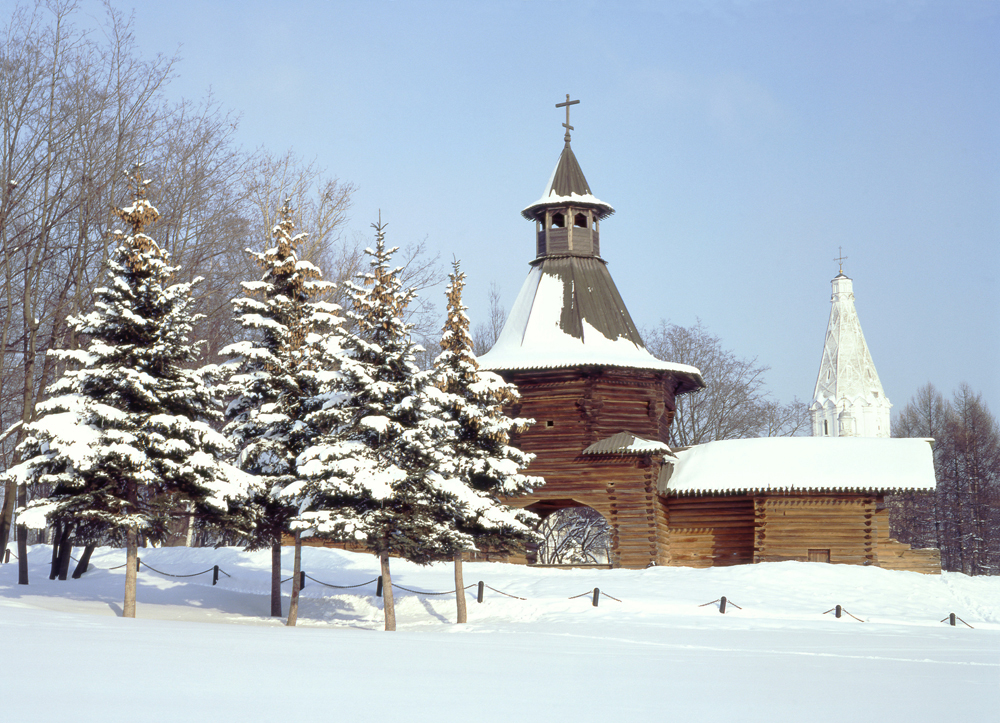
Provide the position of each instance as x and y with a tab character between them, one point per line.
65	550
81	567
57	531
293	606
460	589
131	575
388	606
276	579
7	513
189	535
22	540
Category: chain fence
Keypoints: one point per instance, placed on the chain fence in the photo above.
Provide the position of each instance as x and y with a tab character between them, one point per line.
596	594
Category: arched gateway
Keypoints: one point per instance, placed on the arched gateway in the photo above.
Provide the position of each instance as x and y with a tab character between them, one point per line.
603	406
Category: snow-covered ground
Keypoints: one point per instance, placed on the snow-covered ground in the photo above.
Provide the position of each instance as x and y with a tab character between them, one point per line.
198	652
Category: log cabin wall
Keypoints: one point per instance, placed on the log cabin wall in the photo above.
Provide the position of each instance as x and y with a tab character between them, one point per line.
623	489
837	528
709	531
661	511
572	409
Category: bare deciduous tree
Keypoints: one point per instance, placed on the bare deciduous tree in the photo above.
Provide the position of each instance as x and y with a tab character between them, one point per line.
76	109
735	403
962	516
574	535
71	107
487	332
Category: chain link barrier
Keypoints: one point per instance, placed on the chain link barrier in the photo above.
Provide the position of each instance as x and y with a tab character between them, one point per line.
193	574
837	610
339	587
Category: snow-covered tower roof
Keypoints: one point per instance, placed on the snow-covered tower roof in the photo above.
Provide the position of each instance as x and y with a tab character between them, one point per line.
569	312
848	399
567	185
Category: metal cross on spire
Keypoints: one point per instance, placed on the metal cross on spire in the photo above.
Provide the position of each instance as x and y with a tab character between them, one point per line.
567	104
841	259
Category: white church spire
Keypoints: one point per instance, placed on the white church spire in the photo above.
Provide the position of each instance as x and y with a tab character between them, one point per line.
849	400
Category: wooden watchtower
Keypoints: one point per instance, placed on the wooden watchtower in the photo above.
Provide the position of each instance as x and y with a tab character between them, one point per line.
603	404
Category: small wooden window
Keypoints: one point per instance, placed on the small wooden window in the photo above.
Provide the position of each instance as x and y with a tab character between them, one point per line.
550	423
558	221
580	220
819	556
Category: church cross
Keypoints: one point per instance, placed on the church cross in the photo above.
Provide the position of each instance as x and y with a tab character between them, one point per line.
841	259
566	105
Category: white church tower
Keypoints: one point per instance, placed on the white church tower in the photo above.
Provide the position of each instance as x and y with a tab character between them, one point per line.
849	400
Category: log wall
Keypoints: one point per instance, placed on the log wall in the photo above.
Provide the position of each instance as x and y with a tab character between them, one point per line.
623	490
709	531
572	409
788	527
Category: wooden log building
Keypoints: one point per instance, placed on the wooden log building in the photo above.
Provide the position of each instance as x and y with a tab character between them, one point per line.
603	406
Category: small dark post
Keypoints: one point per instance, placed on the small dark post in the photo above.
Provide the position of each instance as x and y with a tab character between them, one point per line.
597	595
378	587
837	611
215	574
722	605
479	594
138	562
951	619
302	579
6	556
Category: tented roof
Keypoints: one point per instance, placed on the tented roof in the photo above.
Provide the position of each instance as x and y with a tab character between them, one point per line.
567	185
847	372
569	313
785	464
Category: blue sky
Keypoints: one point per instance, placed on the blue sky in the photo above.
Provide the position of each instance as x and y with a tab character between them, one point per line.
741	143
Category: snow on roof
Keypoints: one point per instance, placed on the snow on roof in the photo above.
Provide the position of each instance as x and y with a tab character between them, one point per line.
627	443
846	371
553	198
567	184
779	464
535	336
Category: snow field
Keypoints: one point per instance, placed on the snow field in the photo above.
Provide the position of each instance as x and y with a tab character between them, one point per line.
656	653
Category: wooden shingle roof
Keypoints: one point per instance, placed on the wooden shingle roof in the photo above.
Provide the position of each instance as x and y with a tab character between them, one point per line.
628	443
568	314
567	185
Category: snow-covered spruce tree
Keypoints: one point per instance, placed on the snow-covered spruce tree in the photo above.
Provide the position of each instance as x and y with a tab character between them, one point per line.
375	476
124	440
479	453
279	370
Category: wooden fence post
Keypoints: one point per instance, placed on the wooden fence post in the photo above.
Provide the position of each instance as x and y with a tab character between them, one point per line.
597	596
215	574
837	611
722	605
479	594
302	579
951	619
378	587
138	562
